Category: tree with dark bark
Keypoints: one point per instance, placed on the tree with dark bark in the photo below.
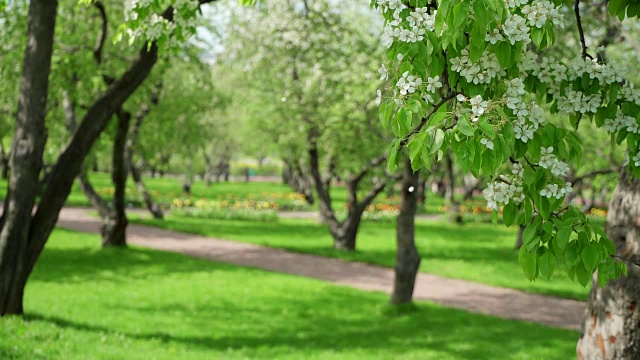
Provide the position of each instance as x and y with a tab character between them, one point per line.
25	230
407	256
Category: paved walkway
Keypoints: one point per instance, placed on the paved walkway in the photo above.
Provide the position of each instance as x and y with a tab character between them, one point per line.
474	297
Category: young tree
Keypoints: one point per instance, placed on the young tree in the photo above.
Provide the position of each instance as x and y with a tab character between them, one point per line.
298	53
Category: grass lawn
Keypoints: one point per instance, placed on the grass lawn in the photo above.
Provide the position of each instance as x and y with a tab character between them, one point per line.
475	251
86	303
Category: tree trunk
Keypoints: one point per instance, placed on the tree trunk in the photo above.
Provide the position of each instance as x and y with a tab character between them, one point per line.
611	328
26	156
407	257
114	228
471	183
519	237
344	233
4	162
422	191
208	172
94	198
449	197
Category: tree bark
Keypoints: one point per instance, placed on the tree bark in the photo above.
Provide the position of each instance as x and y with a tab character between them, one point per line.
344	233
92	195
114	227
4	161
407	256
611	327
449	197
422	190
26	156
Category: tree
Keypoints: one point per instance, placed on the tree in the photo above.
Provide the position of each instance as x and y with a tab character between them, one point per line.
467	76
297	53
611	322
25	232
407	256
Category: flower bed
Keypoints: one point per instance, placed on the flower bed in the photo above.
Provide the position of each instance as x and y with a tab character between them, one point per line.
226	210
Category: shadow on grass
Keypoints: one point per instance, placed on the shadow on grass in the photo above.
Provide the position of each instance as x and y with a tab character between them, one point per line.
115	265
306	327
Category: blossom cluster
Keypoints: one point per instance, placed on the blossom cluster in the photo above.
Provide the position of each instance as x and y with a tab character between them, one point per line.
553	190
620	122
539	12
553	73
549	161
481	72
499	193
155	26
409	30
528	117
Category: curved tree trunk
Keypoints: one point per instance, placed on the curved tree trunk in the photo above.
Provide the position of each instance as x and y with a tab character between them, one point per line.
407	256
26	156
92	195
611	328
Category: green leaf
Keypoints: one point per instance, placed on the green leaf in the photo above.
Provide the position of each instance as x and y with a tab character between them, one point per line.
488	162
571	254
437	118
460	12
464	156
437	142
547	264
529	233
484	125
509	213
591	256
503	53
528	261
393	157
608	245
582	274
562	236
537	35
464	126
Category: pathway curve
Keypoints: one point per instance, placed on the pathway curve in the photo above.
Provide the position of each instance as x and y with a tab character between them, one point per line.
460	294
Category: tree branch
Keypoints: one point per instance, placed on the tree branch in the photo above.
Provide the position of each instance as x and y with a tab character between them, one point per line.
591	174
576	9
365	169
425	119
102	35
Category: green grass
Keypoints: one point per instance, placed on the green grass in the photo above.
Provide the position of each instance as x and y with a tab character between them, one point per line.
86	303
475	251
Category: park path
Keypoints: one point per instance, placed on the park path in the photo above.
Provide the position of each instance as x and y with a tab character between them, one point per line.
460	294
